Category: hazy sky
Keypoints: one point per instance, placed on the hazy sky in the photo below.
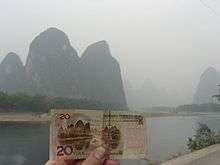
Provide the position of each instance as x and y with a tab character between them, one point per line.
169	41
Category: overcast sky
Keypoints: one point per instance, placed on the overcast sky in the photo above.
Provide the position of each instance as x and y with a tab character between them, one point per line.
169	41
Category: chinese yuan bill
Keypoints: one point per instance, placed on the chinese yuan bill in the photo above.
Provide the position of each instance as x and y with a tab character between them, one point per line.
75	133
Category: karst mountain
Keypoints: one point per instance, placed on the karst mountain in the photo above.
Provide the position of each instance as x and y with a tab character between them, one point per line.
54	68
207	86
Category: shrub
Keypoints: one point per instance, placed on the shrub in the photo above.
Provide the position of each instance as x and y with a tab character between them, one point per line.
204	137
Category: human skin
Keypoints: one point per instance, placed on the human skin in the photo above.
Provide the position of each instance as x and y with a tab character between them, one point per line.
97	157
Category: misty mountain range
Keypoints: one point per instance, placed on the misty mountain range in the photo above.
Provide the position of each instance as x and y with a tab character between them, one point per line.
207	87
150	95
54	68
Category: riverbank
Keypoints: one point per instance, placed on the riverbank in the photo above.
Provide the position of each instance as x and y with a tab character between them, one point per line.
24	117
45	117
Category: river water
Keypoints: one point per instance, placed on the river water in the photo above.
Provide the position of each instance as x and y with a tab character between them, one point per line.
27	143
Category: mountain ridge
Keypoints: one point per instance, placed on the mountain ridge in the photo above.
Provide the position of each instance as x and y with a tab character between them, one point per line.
207	86
54	68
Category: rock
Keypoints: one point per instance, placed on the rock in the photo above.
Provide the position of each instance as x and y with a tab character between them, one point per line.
100	74
12	76
207	86
53	68
52	65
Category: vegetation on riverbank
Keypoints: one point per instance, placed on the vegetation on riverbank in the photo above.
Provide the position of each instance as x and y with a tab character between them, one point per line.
208	107
204	137
188	108
39	103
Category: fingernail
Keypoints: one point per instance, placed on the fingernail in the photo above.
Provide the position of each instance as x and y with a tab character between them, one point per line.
99	153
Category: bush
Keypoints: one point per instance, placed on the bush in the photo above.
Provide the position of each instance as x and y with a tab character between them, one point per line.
204	137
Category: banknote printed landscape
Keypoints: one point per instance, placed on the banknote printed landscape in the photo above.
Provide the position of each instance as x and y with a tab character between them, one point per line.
75	133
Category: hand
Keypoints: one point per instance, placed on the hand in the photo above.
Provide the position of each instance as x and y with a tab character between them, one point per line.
97	157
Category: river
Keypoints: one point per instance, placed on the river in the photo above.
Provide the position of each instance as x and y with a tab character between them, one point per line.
27	143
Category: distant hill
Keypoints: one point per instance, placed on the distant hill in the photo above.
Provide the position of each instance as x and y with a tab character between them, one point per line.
52	65
207	86
150	96
12	75
100	74
147	96
53	68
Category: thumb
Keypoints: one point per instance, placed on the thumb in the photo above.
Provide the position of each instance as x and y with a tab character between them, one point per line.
57	162
96	157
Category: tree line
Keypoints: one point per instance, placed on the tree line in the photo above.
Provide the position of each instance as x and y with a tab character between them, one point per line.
21	102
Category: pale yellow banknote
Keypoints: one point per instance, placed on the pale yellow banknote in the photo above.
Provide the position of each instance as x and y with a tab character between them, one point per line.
75	133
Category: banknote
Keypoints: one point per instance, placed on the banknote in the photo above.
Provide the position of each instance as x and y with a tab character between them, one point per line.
75	133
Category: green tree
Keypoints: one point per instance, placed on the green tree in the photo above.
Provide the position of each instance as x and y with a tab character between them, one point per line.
204	137
20	102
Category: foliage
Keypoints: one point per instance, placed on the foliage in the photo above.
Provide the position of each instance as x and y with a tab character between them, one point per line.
204	137
206	107
39	103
